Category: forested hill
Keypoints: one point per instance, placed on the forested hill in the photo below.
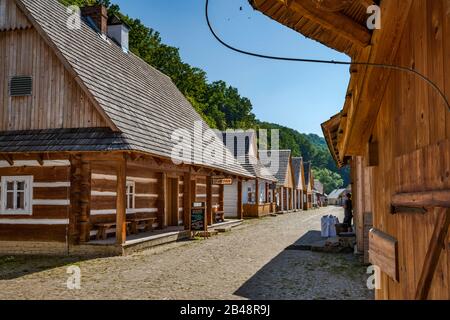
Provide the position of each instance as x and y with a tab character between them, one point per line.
219	104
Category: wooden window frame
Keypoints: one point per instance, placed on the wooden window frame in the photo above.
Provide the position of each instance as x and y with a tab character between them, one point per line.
131	184
28	195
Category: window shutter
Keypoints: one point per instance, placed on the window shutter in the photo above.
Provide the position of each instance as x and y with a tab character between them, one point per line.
20	86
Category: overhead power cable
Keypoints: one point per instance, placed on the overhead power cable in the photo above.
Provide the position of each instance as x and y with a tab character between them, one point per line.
353	63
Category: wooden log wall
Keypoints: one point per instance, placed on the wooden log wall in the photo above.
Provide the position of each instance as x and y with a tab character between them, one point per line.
50	204
103	192
57	101
413	131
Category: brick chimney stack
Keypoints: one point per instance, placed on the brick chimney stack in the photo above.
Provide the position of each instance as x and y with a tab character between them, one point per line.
99	15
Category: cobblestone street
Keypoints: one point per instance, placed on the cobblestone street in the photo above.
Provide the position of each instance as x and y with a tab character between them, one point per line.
249	263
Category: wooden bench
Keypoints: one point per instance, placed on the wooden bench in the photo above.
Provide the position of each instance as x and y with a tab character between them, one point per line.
147	222
103	227
220	216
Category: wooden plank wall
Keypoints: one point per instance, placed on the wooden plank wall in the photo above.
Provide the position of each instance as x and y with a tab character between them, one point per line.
51	203
412	131
103	192
57	101
11	18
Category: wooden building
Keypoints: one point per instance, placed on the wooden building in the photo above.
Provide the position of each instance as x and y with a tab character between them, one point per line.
299	183
309	200
393	130
321	196
87	137
281	168
258	197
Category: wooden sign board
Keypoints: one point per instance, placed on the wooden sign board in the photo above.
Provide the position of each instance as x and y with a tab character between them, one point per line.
198	217
383	253
222	181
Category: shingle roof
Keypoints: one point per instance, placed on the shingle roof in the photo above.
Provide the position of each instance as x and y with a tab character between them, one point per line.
281	160
250	162
53	140
141	102
336	193
297	165
308	168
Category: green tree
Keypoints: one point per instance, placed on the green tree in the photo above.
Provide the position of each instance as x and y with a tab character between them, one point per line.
330	180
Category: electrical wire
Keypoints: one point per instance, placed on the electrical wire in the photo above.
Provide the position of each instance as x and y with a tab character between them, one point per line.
334	62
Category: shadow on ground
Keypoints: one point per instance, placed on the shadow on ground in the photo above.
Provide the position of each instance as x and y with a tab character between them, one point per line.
305	275
13	267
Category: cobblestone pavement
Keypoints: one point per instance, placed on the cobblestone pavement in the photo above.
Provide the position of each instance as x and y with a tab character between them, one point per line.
248	263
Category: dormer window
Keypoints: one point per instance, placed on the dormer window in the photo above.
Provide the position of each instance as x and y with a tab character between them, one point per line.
20	86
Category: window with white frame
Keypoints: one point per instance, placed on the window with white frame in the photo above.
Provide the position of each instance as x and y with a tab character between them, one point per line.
131	194
16	195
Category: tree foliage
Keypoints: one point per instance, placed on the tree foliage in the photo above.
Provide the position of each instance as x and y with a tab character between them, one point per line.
220	105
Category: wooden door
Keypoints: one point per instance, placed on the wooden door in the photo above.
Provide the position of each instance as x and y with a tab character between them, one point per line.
172	202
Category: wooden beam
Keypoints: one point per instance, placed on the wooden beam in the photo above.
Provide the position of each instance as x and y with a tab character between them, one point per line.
187	200
335	22
85	199
8	159
437	245
366	3
428	199
209	213
163	201
121	202
383	252
374	81
240	212
257	192
40	159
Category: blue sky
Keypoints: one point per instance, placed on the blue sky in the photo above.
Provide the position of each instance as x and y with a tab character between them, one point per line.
297	95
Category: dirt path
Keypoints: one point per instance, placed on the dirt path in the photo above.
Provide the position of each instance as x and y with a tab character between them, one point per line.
249	263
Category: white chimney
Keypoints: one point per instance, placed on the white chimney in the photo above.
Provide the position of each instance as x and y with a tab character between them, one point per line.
119	32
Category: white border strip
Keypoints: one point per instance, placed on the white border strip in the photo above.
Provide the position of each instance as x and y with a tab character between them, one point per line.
51	185
129	211
35	221
98	176
46	202
113	194
35	163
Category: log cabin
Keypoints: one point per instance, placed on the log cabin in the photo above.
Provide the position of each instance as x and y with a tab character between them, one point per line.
393	131
281	168
309	182
320	194
300	184
87	137
257	194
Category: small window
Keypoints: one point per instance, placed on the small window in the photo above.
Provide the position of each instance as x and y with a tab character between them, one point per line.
21	86
16	195
131	194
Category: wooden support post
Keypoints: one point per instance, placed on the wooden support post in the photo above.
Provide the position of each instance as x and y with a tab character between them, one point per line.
257	192
162	202
267	193
221	198
187	200
75	199
209	213
282	199
121	202
85	200
437	245
240	212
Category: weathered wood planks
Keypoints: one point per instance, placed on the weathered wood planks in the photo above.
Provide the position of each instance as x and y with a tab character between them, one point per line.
383	253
